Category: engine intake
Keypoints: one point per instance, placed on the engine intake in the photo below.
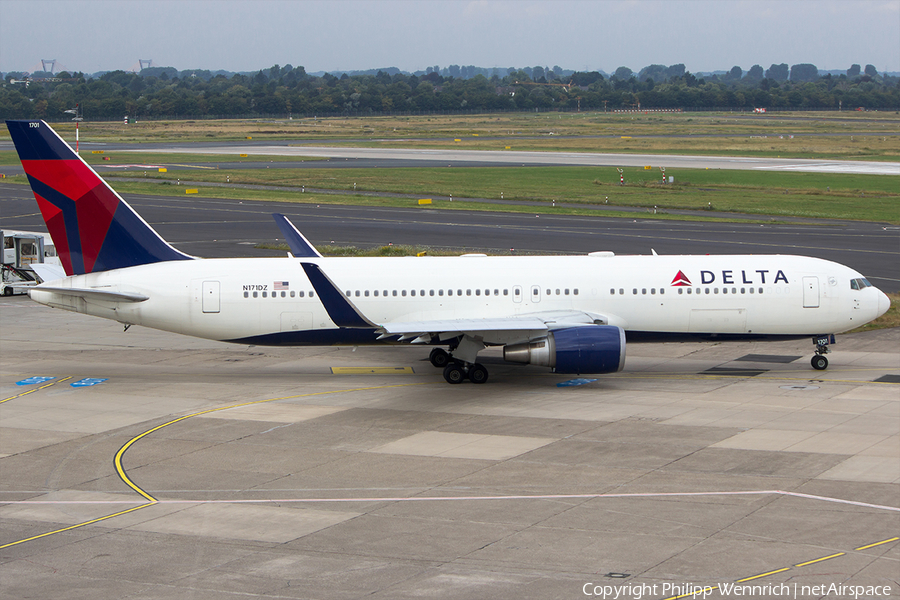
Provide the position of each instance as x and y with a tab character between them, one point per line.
587	349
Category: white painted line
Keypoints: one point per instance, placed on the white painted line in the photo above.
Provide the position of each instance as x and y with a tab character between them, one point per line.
471	498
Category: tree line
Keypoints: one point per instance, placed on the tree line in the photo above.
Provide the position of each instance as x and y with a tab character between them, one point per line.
157	92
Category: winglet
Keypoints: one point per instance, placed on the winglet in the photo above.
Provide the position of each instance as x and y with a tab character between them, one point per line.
338	306
300	246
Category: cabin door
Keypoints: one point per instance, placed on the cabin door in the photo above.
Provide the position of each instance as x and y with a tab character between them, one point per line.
210	296
810	292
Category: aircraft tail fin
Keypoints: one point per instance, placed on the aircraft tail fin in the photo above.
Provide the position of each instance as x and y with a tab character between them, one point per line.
92	227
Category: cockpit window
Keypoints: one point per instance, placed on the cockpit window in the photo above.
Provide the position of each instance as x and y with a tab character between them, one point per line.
858	284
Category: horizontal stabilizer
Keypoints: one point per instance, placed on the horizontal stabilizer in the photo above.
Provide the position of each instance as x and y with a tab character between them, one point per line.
48	272
91	294
299	245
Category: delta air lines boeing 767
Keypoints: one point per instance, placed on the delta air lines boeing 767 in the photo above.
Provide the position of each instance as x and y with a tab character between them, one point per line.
568	313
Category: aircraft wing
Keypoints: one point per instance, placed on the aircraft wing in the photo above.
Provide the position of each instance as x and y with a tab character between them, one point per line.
497	329
423	331
344	313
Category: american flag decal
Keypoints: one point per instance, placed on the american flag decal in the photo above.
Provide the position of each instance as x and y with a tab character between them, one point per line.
281	285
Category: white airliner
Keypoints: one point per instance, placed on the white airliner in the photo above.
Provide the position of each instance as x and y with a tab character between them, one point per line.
569	313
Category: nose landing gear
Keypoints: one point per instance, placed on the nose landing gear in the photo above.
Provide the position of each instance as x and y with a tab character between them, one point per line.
819	362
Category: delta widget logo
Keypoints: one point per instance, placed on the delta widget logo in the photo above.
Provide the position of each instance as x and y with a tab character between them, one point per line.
681	280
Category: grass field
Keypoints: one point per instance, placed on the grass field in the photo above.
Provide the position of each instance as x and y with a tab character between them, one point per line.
869	135
863	135
828	196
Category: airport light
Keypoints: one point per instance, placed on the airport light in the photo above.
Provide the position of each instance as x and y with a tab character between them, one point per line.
78	119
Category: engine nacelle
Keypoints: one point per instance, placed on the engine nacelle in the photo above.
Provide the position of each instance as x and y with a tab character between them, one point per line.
587	349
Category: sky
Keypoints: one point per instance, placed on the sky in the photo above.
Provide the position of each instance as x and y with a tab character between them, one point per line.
584	35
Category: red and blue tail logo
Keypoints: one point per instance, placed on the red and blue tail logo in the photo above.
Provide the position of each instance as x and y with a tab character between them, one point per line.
92	227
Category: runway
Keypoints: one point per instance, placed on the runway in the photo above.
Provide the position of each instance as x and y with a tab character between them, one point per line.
231	228
412	157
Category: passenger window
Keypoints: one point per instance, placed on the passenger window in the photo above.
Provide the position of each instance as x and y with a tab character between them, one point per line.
312	294
255	294
506	292
376	293
644	291
548	292
477	292
412	292
357	293
707	290
662	291
760	290
612	292
431	292
496	292
441	292
366	293
246	294
283	294
265	294
690	290
403	293
347	293
680	290
292	294
652	291
715	290
634	291
576	291
751	290
395	293
621	291
301	294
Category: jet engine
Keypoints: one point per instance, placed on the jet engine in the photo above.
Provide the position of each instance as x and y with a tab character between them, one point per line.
586	349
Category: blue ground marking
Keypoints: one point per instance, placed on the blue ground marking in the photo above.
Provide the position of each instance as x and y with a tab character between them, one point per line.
574	382
34	380
88	381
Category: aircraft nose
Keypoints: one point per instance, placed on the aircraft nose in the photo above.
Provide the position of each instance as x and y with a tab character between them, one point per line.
884	303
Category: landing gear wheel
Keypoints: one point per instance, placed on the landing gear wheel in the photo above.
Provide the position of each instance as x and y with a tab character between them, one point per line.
477	373
454	373
439	358
819	362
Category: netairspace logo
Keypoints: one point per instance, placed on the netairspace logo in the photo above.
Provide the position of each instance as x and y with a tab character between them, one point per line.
636	591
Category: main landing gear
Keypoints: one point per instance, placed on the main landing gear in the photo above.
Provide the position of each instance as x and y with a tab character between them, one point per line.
457	371
819	362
